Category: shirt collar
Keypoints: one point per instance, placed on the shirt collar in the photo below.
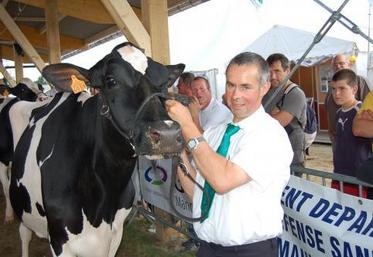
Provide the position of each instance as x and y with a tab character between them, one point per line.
209	105
251	121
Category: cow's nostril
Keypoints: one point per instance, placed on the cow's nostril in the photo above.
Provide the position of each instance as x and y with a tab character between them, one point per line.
155	135
179	139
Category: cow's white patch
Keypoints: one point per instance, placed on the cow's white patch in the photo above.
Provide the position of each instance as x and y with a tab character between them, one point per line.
154	157
96	242
46	158
84	96
169	122
31	179
20	114
135	57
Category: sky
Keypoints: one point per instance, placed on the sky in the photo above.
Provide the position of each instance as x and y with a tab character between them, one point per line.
209	35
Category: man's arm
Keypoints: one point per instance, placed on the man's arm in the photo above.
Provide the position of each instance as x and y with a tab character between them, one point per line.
222	174
283	117
363	124
293	104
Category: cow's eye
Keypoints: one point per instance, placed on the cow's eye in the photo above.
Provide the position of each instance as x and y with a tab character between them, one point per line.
111	82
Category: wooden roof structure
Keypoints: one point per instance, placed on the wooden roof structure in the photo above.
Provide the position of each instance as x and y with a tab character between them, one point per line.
46	31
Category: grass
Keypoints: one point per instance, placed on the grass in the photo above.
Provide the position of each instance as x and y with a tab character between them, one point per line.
138	242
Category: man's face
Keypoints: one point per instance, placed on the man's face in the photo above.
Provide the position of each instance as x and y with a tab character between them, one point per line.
184	89
201	92
243	91
343	94
277	73
340	62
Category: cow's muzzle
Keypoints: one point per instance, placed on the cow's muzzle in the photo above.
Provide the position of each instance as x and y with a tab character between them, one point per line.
159	139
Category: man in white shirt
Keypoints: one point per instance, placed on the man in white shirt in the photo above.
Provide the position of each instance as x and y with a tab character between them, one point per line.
248	177
206	111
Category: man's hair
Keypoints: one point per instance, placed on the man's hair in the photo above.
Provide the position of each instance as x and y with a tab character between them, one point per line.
203	78
249	58
346	74
187	78
285	64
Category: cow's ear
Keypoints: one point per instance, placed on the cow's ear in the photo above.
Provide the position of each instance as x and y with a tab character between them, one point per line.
66	77
174	72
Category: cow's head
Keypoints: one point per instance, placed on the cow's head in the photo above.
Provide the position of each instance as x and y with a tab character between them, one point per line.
25	90
132	89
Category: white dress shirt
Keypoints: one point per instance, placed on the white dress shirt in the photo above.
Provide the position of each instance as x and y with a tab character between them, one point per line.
251	212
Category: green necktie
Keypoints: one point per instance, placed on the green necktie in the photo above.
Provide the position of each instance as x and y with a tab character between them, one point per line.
222	150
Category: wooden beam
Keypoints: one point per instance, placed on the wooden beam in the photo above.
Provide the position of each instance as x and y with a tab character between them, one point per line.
29	19
7	53
18	64
101	34
53	31
6	75
130	25
43	29
40	41
21	38
92	10
155	19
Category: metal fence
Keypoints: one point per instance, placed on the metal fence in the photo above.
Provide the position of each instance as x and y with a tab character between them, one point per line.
321	177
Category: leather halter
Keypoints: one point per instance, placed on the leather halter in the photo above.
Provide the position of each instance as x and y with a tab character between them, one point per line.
105	112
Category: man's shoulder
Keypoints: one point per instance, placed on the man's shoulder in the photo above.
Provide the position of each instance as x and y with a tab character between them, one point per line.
295	92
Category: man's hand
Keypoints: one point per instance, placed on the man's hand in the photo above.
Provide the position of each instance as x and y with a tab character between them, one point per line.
194	108
178	112
275	111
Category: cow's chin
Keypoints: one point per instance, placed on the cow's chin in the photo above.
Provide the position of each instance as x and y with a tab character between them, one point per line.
155	157
159	156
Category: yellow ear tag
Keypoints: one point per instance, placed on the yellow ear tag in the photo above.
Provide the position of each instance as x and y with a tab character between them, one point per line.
77	85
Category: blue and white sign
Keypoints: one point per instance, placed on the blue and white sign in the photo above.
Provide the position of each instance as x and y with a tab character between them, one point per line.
155	183
320	221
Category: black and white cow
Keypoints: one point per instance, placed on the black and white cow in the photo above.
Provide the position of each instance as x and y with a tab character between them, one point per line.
25	90
71	174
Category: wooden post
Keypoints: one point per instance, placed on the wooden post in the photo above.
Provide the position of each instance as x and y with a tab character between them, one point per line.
53	31
6	75
21	38
18	63
128	23
155	20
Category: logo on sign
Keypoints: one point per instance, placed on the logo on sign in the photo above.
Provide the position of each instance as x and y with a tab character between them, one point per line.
156	177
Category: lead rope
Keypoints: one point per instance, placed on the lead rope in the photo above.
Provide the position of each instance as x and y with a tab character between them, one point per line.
177	162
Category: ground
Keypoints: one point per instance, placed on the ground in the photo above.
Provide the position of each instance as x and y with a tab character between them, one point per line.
135	235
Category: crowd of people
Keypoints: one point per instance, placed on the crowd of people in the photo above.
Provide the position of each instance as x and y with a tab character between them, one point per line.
260	145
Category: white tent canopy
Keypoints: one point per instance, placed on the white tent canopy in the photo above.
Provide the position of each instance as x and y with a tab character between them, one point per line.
294	42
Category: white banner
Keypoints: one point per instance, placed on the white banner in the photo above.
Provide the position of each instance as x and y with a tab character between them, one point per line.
321	221
155	187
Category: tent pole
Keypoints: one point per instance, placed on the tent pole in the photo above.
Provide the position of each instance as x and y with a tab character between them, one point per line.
322	32
348	23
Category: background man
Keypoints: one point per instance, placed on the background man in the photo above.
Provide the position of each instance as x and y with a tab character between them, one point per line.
340	62
290	109
184	84
248	171
206	111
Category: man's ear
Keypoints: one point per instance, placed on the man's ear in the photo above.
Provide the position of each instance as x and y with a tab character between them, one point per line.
264	88
355	89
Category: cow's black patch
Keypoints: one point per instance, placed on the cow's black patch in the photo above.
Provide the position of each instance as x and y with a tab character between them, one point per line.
40	209
6	141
